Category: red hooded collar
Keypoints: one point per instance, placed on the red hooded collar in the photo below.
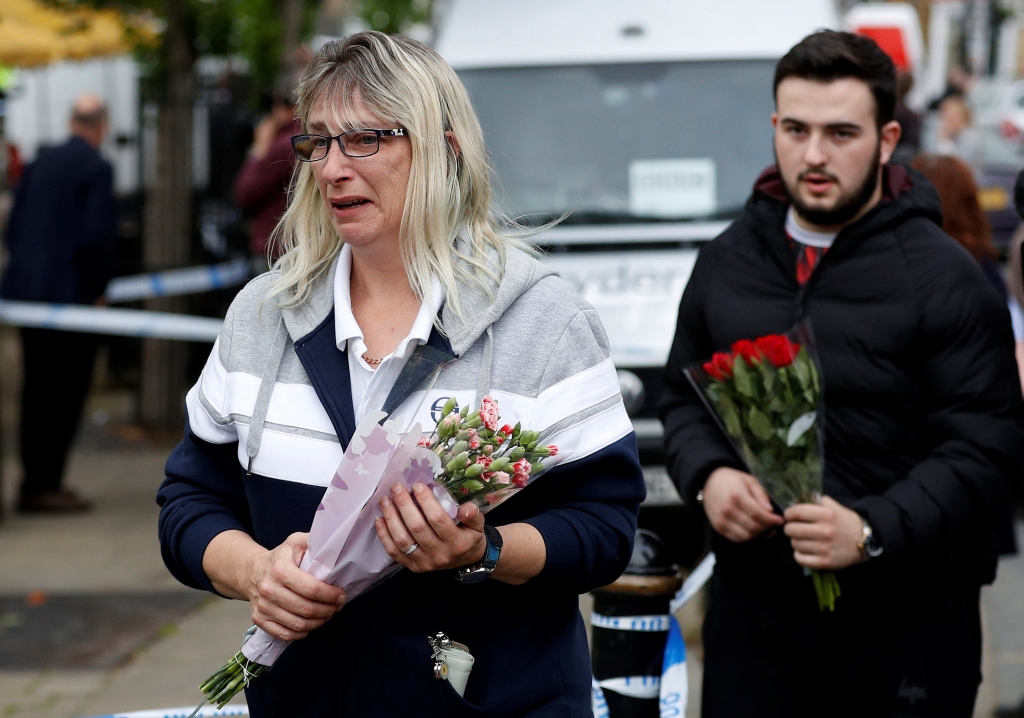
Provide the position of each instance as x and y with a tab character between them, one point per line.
895	181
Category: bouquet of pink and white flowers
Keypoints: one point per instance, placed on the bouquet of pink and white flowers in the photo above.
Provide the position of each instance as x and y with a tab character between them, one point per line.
483	462
469	456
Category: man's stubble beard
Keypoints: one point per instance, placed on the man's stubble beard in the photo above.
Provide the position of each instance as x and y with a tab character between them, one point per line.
846	207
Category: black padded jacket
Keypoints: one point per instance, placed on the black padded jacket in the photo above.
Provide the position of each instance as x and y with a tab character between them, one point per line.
924	421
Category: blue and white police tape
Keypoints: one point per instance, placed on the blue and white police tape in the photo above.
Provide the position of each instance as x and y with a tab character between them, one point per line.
209	712
693	583
174	282
107	320
671	688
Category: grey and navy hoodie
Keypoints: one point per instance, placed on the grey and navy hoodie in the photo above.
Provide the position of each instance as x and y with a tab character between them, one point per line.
268	422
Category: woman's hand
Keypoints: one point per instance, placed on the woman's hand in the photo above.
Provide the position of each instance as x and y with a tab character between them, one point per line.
263	136
442	543
286	601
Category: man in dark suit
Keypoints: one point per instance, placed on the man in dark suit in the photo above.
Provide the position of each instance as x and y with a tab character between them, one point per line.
60	238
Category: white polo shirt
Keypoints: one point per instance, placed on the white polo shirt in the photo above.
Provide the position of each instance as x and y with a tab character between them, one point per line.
371	385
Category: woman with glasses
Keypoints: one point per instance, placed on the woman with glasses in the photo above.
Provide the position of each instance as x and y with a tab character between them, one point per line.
391	251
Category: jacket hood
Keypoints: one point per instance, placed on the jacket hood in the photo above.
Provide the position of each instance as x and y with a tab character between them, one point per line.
479	308
906	193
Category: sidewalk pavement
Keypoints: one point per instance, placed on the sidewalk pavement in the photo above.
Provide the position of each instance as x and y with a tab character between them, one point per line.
114	551
111	551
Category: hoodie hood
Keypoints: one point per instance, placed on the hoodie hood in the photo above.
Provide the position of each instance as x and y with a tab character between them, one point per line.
480	309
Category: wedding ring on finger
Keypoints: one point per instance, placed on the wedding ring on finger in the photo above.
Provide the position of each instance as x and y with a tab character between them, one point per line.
412	548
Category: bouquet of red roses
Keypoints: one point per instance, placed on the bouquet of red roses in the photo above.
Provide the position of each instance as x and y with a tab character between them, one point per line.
766	396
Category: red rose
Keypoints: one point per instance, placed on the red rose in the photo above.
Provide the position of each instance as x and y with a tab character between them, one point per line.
778	349
720	366
748	350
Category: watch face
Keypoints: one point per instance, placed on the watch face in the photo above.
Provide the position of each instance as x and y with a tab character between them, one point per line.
475	576
872	547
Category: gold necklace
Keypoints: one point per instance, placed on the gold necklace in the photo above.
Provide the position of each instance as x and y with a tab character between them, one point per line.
371	361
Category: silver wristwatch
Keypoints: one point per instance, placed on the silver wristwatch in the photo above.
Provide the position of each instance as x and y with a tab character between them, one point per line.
483	569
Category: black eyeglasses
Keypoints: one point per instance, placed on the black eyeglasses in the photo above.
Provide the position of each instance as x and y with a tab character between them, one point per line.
357	143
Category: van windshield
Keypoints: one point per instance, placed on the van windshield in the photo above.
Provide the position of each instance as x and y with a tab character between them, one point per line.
626	142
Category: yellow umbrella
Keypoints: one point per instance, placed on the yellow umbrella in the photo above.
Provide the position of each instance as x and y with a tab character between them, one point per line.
32	34
24	46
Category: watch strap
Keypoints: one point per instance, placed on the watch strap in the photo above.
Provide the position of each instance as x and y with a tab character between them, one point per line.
482	569
492	548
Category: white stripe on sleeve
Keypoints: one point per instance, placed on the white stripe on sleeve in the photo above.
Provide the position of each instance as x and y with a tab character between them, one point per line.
574	395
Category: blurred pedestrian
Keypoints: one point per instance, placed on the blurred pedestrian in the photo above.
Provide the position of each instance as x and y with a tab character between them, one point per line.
924	437
956	136
261	187
910	122
1015	276
60	238
15	167
963	219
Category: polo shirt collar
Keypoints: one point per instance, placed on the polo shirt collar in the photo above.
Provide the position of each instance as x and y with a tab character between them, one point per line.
346	328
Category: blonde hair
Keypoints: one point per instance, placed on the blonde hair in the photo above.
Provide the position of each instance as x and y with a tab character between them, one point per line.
408	85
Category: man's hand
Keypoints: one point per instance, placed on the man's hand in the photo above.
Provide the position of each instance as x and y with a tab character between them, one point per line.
286	601
825	535
737	505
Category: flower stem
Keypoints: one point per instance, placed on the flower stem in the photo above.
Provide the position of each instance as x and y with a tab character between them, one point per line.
226	683
826	586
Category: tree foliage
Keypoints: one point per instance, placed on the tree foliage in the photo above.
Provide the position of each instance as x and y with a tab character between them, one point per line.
251	29
394	15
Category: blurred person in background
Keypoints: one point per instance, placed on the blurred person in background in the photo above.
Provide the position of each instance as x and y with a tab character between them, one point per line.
963	219
923	430
15	167
60	237
1015	280
1016	287
910	122
261	188
956	136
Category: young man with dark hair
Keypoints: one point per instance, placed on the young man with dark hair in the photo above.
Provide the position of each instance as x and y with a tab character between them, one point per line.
924	436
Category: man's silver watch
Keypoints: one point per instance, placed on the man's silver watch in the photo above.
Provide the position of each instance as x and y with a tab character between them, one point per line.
869	545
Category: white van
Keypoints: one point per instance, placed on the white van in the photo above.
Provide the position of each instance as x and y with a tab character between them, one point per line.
649	120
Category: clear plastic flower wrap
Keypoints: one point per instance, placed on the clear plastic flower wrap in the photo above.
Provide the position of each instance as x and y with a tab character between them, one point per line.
766	395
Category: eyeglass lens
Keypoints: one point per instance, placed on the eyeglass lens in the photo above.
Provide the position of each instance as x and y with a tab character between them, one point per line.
311	148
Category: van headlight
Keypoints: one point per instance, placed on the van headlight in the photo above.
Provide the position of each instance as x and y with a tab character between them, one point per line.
632	390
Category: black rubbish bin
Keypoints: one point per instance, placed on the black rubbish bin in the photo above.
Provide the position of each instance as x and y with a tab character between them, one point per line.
630	627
